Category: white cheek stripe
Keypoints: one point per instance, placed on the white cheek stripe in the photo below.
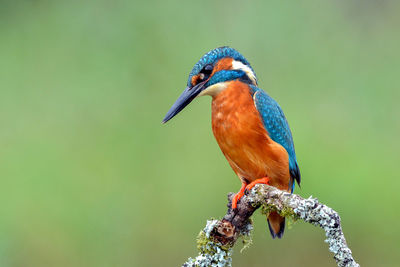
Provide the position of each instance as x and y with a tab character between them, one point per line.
214	89
237	65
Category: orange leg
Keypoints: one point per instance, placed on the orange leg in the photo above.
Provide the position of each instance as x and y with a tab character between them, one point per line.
238	196
264	180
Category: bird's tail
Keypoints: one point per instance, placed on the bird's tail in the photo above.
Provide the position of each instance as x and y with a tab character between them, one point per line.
276	224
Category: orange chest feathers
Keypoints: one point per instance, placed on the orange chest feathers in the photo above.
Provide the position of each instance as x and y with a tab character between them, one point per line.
243	139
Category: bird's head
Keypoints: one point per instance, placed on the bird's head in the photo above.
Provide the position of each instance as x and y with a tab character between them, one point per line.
210	75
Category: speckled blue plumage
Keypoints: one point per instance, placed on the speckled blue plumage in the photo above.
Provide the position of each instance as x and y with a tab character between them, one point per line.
277	126
215	55
225	75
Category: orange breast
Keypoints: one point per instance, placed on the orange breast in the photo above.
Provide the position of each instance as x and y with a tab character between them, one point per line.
242	137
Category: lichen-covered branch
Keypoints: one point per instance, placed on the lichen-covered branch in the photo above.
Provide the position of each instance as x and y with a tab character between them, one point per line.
216	241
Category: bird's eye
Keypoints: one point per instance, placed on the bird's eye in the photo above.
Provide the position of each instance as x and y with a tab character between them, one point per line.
208	69
206	72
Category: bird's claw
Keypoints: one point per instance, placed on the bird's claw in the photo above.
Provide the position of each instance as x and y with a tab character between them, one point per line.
264	180
248	187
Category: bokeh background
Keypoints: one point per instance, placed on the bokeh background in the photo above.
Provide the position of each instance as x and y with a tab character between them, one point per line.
90	176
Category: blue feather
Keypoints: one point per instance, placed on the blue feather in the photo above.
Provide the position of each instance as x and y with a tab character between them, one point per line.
278	128
225	75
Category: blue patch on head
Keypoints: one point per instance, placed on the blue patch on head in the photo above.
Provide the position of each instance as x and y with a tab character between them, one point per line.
225	75
215	55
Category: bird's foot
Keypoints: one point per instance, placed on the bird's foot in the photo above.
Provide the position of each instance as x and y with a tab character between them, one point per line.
238	196
264	180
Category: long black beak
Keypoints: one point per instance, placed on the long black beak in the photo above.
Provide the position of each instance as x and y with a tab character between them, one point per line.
186	97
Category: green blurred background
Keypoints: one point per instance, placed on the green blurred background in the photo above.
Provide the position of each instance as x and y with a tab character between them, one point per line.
90	176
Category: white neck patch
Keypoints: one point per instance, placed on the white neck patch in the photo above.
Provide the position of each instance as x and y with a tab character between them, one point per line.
237	65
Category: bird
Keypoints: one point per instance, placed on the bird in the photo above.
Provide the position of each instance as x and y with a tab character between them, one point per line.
248	125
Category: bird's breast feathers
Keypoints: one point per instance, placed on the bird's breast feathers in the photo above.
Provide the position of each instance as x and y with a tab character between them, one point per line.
242	137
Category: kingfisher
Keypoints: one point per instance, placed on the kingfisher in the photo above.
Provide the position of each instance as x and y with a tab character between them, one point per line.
249	126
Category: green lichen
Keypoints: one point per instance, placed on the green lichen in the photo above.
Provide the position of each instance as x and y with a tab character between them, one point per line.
202	240
289	213
267	209
212	255
247	241
284	212
211	252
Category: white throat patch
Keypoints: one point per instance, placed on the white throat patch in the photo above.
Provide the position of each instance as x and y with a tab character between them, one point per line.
214	89
237	65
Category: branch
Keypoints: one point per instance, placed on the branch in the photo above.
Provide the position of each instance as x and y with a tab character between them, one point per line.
216	240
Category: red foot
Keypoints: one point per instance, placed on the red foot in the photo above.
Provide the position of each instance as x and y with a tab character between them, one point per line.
264	180
238	196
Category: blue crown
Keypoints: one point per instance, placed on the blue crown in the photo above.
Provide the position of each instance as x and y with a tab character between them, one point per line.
215	55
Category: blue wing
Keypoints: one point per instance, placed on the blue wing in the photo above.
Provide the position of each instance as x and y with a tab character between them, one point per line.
277	127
